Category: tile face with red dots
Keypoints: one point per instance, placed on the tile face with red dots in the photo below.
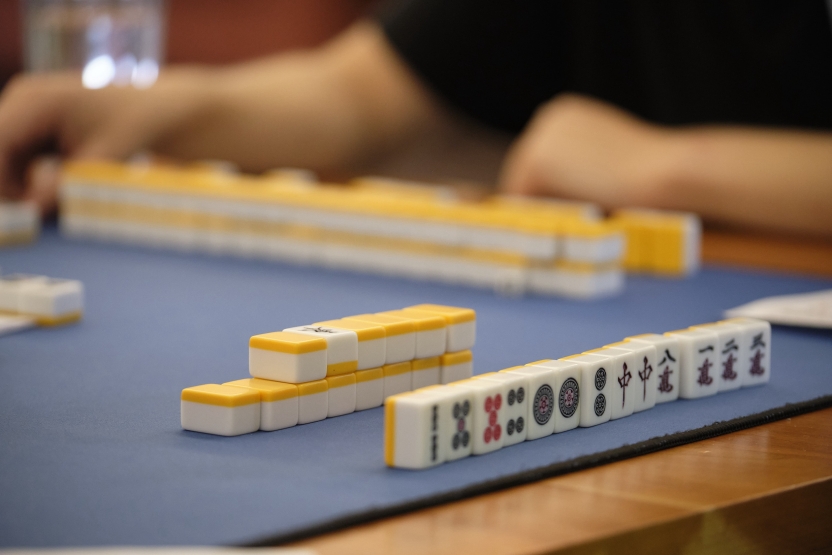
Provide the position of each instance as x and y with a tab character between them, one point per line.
517	402
566	386
540	400
489	415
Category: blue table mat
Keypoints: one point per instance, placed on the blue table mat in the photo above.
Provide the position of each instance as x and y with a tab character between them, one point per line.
91	451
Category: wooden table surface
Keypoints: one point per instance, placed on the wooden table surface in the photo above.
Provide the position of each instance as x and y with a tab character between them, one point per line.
766	489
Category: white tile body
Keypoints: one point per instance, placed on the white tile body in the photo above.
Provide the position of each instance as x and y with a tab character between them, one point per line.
593	249
732	354
644	374
757	339
10	287
699	363
489	414
51	298
568	391
276	415
430	343
369	394
461	337
13	323
596	380
457	372
312	408
668	369
399	383
287	367
426	377
416	431
516	405
341	345
621	400
218	420
341	400
540	400
372	353
400	348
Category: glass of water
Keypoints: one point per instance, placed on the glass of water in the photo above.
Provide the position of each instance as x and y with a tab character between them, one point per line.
112	42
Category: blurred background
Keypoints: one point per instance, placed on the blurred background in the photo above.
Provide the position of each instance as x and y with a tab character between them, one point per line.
200	31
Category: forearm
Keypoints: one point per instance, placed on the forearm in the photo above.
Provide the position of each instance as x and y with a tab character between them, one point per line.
766	179
338	107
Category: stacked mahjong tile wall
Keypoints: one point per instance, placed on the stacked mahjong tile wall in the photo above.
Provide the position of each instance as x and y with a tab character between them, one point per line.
41	300
512	245
308	373
482	414
19	222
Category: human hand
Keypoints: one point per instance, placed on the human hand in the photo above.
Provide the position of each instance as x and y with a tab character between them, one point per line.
54	114
578	147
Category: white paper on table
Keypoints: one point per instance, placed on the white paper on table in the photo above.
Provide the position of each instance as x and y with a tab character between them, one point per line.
11	324
811	310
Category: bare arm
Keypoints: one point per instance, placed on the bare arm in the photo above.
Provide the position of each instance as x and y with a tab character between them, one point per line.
755	178
350	106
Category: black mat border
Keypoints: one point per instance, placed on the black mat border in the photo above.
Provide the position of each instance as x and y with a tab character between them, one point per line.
556	469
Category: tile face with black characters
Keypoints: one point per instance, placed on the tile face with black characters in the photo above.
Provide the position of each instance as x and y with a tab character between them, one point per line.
621	372
667	364
756	339
699	361
732	351
644	373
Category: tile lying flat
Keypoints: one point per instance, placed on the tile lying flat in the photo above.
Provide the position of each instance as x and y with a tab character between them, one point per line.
456	366
287	357
220	409
400	345
461	324
431	336
278	402
369	388
341	347
372	341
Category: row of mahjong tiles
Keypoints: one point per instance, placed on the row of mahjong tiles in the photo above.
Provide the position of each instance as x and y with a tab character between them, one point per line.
479	415
307	373
44	300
